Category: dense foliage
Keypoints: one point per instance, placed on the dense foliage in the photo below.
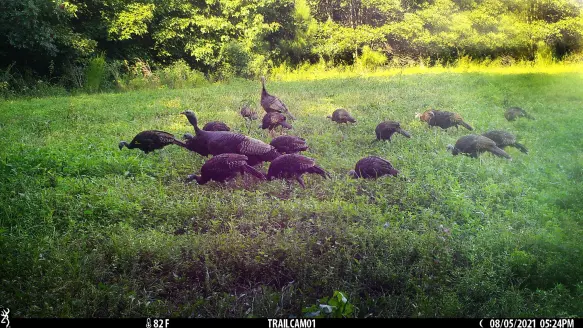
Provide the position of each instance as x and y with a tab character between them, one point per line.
56	39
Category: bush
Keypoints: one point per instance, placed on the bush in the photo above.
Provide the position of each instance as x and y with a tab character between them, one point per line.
180	75
371	59
95	73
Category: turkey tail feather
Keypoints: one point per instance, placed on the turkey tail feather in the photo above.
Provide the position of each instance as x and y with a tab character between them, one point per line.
466	125
254	172
499	152
521	147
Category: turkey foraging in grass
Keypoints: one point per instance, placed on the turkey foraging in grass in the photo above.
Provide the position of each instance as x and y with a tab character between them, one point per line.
224	167
248	113
504	139
473	145
271	103
273	120
293	166
289	144
341	115
221	142
513	113
386	129
216	126
443	119
372	167
151	140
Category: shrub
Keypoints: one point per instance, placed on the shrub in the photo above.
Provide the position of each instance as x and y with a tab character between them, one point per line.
180	75
371	59
95	73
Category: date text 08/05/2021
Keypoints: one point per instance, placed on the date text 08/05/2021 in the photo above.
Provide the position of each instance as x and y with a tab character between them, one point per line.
529	323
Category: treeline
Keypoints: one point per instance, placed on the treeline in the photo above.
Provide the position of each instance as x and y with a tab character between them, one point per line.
96	44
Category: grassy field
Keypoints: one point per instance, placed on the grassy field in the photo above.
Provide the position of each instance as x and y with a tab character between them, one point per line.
87	230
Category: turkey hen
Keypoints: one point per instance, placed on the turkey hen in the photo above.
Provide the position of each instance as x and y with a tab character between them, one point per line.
196	145
274	119
513	113
151	140
293	166
386	129
473	145
504	139
271	103
341	115
289	144
443	119
248	113
216	126
224	167
221	142
372	167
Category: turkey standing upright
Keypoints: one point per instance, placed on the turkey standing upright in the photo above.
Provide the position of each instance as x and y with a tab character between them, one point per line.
151	140
220	142
271	103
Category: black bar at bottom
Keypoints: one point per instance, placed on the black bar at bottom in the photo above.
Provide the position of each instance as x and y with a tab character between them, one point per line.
297	323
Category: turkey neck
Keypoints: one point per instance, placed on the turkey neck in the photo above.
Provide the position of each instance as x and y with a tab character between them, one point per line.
263	91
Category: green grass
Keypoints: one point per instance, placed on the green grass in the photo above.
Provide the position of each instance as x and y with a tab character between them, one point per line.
87	230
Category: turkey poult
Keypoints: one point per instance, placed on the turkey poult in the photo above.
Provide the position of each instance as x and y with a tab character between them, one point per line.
474	144
372	167
513	113
224	167
272	103
151	140
386	129
443	119
196	145
341	116
273	120
221	142
289	144
216	126
248	113
293	166
504	139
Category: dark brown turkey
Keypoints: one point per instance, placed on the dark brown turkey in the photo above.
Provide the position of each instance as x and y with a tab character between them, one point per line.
504	139
272	103
293	166
224	167
196	145
216	126
513	113
221	142
151	140
274	119
289	144
386	129
372	167
443	119
341	115
473	145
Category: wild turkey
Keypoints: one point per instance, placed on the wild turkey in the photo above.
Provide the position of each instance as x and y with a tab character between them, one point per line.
196	145
221	142
274	119
151	140
248	113
272	103
386	129
289	144
372	167
503	139
474	144
292	166
443	119
224	167
216	126
513	113
341	116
